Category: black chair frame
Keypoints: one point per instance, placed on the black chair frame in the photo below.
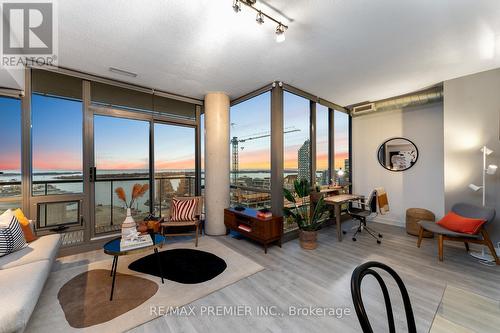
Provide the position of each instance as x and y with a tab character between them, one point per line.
357	277
370	206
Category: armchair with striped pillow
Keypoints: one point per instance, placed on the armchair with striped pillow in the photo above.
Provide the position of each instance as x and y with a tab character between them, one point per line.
184	212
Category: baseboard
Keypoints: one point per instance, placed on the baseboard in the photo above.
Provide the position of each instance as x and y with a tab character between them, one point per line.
389	221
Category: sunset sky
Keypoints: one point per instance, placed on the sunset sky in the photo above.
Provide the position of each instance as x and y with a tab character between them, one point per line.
10	139
251	118
123	143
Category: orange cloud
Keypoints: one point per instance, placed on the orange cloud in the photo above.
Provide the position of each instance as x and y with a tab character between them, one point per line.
57	160
10	161
177	165
255	159
121	165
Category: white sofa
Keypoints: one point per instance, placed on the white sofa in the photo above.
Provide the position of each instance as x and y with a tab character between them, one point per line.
22	277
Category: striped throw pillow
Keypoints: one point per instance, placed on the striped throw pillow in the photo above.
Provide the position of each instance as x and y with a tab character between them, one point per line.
183	210
11	234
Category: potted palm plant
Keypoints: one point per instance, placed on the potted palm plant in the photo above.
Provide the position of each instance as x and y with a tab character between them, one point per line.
308	222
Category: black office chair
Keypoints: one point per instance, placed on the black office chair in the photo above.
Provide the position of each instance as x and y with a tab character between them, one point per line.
361	213
357	277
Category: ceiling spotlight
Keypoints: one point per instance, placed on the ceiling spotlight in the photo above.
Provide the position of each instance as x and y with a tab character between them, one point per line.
280	33
236	6
260	18
280	29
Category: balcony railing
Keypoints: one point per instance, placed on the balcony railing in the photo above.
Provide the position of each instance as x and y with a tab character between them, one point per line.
109	213
250	196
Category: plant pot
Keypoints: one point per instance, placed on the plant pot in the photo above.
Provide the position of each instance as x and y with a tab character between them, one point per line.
308	239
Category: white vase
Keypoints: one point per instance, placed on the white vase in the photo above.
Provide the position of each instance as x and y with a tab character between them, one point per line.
128	224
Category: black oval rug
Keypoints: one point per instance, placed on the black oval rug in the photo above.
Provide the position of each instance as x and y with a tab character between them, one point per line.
181	265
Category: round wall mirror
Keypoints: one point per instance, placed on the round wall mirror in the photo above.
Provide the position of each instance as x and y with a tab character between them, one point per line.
397	154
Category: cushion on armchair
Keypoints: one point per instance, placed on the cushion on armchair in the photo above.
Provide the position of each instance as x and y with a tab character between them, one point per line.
461	224
183	210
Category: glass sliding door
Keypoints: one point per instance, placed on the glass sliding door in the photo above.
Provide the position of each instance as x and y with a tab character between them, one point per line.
175	169
121	159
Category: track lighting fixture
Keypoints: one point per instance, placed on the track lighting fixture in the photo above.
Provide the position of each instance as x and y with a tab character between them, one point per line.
236	6
259	19
280	33
280	29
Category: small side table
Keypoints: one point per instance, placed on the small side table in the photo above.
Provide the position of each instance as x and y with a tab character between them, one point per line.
413	215
112	248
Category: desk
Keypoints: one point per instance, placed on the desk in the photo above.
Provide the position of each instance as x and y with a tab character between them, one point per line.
337	201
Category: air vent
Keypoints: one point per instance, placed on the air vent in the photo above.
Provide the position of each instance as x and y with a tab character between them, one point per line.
361	109
423	97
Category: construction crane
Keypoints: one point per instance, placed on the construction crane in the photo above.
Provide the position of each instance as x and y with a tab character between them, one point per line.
235	146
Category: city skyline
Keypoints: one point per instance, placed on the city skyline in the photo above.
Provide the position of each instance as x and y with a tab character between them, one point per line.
251	118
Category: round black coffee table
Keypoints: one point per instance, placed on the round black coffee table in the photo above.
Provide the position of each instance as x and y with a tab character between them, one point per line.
113	249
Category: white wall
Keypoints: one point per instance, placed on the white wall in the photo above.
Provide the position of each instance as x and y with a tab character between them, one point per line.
422	186
471	120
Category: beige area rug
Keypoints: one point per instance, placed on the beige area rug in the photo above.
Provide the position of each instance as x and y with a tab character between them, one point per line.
85	298
49	316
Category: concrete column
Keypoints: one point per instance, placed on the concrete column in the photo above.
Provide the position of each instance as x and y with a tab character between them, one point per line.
216	161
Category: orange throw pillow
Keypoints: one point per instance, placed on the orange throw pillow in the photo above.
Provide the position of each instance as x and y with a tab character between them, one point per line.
457	223
25	225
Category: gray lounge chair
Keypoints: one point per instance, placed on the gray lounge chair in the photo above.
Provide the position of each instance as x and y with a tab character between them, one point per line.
466	210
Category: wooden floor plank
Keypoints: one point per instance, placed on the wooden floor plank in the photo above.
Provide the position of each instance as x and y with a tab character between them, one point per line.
293	276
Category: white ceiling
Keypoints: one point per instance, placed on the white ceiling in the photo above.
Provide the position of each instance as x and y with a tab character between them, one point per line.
345	51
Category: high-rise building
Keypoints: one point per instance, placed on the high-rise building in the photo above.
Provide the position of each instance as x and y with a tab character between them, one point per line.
346	170
304	158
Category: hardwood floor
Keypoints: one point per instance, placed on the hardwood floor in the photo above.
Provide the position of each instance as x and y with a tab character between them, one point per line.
463	311
322	278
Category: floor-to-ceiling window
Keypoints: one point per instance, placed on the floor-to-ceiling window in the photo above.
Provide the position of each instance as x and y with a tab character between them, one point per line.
121	152
322	147
202	153
10	153
341	148
56	145
57	187
251	152
174	164
297	145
